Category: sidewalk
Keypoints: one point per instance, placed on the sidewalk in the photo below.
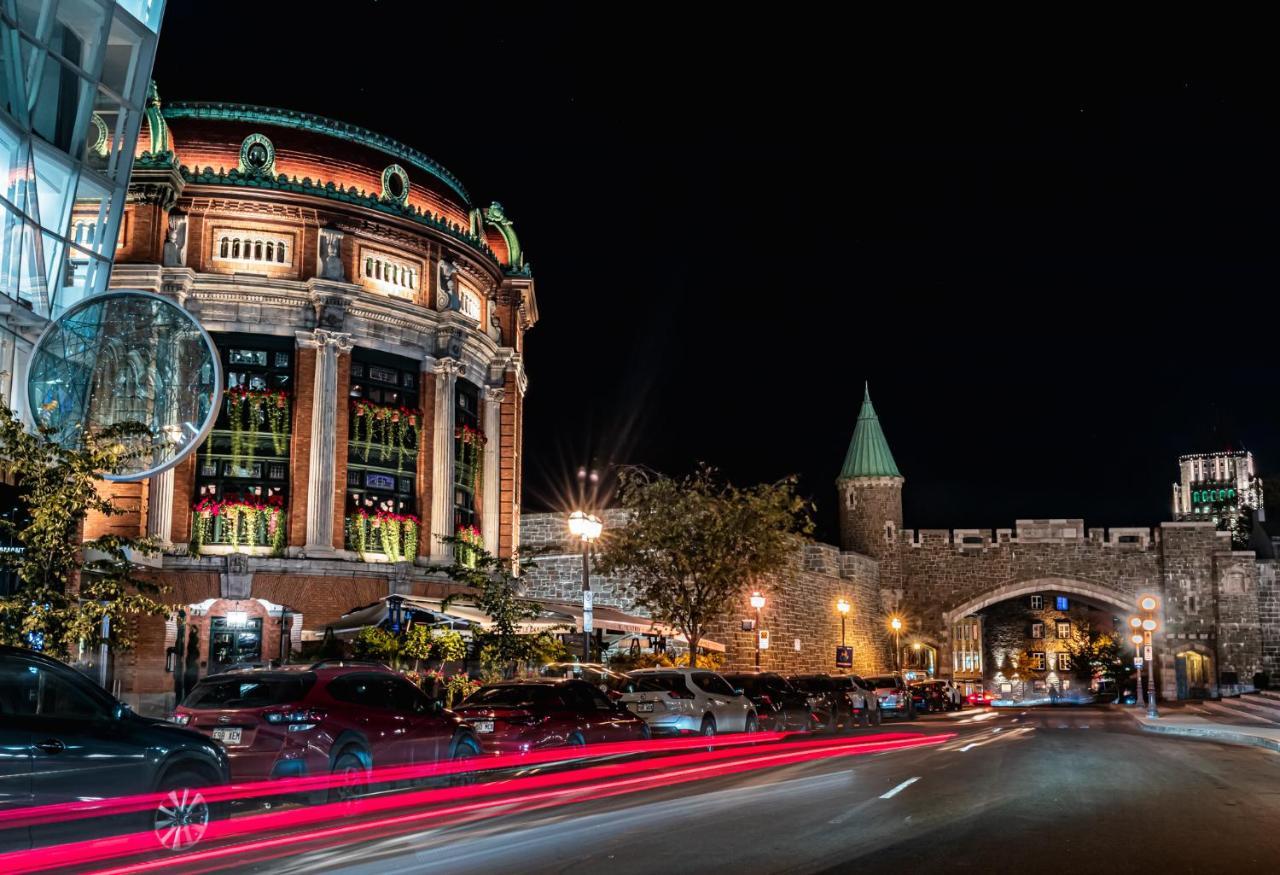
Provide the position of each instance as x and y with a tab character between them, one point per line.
1196	722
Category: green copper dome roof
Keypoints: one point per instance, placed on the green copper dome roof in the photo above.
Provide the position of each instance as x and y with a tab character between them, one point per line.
868	454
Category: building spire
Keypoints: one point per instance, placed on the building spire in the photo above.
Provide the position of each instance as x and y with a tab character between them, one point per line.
869	454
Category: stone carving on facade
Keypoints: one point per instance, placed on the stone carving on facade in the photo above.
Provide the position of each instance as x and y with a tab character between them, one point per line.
331	312
447	289
330	250
175	241
449	342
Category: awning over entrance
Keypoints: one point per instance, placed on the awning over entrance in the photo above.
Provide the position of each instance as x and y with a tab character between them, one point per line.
555	617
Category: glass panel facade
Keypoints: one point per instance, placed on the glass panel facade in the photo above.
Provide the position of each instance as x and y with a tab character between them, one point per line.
73	77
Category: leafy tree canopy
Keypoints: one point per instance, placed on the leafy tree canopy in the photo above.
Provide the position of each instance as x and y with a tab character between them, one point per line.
692	547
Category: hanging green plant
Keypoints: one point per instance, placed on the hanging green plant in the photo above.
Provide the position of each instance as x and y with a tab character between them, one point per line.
395	534
393	429
248	410
250	522
468	542
358	532
278	414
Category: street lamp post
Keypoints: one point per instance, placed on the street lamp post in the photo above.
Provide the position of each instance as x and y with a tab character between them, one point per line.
757	602
1135	623
1148	623
587	527
896	625
843	607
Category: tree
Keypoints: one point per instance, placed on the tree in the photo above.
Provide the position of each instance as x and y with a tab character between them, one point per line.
1096	652
692	547
508	642
66	588
417	643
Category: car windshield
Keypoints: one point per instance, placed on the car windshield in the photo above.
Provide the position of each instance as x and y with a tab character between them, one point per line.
511	696
248	691
640	684
748	683
883	681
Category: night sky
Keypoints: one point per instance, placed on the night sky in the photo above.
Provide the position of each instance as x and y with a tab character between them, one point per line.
1057	274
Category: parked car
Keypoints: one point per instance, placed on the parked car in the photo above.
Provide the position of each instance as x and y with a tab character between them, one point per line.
521	716
930	696
598	675
780	707
893	694
64	739
676	701
940	695
863	703
331	717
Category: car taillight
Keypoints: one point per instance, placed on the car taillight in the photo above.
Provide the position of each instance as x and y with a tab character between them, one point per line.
765	700
297	719
180	719
680	694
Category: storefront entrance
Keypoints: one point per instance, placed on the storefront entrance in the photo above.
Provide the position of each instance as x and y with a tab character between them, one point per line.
1192	670
234	642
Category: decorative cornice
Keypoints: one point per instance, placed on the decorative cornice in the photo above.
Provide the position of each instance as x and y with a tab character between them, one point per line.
332	191
303	121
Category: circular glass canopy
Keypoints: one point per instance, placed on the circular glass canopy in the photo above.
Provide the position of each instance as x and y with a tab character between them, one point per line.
127	358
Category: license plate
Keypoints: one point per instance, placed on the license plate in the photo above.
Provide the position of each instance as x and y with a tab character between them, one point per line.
227	736
483	725
644	707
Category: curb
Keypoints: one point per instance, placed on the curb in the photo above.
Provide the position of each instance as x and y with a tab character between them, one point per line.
1230	736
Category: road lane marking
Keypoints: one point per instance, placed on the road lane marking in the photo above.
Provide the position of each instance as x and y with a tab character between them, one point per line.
898	789
968	747
997	729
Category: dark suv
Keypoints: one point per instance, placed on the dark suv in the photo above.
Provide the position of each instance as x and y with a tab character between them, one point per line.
331	717
828	701
64	739
780	707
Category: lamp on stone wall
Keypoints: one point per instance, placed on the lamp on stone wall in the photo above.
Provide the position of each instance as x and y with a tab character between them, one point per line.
757	602
896	624
587	527
843	607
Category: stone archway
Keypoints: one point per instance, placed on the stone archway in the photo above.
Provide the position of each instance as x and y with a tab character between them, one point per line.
1123	601
1087	591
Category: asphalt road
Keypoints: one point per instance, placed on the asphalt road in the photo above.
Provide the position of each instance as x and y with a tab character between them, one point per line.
1054	789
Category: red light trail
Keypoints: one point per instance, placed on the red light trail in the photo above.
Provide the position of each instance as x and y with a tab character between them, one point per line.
535	791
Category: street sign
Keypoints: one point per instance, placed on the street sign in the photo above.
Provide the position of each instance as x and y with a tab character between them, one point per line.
586	611
764	639
844	657
1147	653
1137	662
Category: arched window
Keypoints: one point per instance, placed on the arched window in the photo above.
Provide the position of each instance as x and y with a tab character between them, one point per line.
88	231
224	247
411	278
1195	496
280	252
377	269
235	248
257	250
1231	493
271	251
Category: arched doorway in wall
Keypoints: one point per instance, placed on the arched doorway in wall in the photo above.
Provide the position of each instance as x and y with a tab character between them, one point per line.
919	660
1194	673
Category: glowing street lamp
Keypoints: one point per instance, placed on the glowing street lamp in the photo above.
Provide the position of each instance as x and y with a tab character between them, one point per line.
1148	624
587	527
896	625
843	607
757	602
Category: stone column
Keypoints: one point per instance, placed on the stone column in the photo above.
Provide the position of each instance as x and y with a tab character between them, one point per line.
447	371
160	508
490	473
324	420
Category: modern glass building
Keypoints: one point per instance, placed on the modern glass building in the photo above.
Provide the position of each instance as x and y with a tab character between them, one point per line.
73	87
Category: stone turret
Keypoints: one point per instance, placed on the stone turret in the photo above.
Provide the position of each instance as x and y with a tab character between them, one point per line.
870	488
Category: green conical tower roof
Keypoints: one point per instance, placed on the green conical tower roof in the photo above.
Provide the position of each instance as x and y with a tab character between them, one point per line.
868	454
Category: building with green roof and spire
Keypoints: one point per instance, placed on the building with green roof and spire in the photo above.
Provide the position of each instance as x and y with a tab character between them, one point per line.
870	487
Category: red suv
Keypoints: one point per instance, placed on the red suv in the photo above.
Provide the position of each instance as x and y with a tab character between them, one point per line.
329	717
524	715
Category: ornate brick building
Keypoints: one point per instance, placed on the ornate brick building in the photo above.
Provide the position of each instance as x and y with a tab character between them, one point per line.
1220	606
371	322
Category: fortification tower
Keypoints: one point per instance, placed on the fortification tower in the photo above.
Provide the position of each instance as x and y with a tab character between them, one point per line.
870	488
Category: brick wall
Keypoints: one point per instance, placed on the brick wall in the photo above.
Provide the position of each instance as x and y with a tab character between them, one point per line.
127	498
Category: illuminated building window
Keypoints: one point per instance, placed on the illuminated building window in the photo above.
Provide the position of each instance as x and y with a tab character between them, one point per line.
1037	602
1064	663
1064	629
389	275
1037	630
469	305
247	246
383	442
1062	602
1037	660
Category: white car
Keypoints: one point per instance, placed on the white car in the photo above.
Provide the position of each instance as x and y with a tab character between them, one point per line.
688	701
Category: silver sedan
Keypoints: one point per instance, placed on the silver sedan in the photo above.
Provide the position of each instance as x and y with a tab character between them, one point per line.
684	701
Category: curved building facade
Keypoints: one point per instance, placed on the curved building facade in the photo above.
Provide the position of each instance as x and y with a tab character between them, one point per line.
371	320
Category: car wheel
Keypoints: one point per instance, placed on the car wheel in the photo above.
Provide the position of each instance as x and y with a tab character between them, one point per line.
708	727
875	716
182	815
864	715
911	711
753	725
352	774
